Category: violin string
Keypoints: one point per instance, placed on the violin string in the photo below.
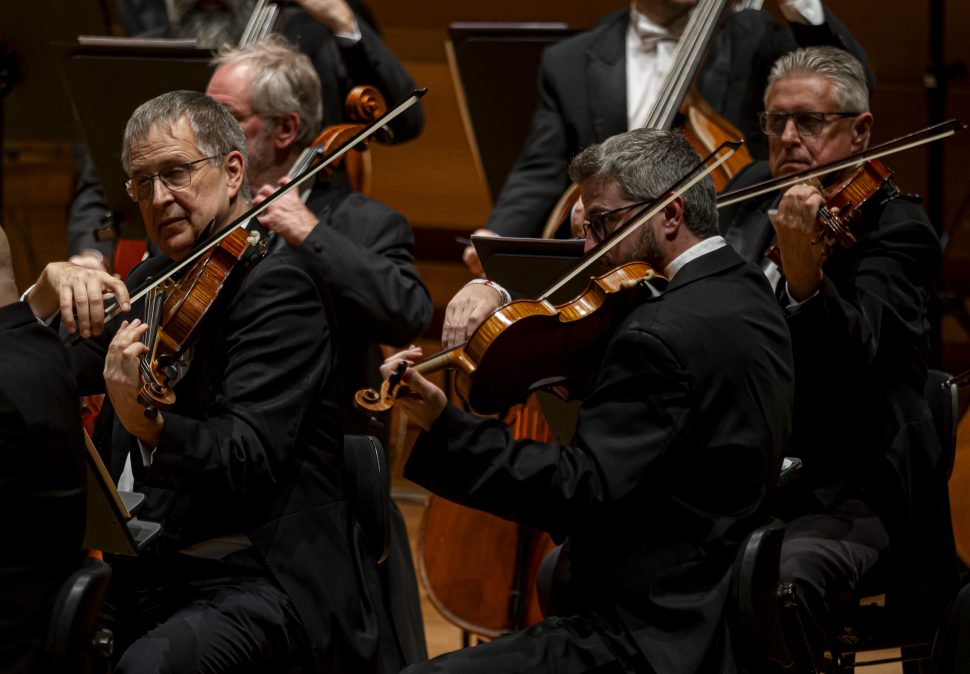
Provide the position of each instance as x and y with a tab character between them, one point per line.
243	220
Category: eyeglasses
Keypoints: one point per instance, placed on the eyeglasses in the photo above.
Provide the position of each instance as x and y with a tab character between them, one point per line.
807	123
598	222
175	177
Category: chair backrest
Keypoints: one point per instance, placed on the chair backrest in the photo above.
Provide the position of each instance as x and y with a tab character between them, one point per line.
69	647
369	491
754	606
942	396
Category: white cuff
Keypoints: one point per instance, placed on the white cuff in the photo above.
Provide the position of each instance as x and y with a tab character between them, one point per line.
803	11
792	302
349	39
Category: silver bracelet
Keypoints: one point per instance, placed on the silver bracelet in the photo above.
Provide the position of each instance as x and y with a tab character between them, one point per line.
503	293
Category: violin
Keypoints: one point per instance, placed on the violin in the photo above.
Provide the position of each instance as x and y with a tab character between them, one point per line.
531	344
174	311
847	196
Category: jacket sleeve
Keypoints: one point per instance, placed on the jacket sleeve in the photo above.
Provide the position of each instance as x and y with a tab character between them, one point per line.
635	413
365	258
278	351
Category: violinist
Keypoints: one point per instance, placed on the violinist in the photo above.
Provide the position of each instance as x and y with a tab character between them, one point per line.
42	480
360	249
339	38
606	80
858	319
676	443
255	569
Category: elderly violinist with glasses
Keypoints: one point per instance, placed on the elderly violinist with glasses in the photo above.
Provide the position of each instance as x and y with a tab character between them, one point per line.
858	319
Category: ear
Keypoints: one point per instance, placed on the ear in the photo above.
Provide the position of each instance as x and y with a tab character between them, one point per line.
287	128
861	127
673	217
235	171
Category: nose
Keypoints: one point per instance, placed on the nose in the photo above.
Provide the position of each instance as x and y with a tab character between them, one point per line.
789	134
160	193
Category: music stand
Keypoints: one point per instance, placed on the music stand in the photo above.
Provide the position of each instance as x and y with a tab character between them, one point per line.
92	69
110	525
495	68
528	267
33	103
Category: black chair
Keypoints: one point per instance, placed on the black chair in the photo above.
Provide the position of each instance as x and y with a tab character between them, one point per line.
369	490
74	643
755	603
882	622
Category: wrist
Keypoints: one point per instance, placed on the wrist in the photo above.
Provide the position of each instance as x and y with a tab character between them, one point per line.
504	295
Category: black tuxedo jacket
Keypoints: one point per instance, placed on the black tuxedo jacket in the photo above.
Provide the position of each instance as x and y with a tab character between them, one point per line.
42	482
675	448
254	445
861	424
582	100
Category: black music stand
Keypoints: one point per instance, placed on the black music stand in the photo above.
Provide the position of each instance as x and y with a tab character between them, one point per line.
106	79
33	104
527	267
110	524
495	66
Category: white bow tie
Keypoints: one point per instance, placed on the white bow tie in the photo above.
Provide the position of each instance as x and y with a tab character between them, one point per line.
651	34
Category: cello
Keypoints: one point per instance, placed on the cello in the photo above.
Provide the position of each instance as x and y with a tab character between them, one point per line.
679	104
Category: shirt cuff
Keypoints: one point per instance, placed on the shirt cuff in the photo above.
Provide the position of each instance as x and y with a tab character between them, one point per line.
43	321
349	39
803	11
792	302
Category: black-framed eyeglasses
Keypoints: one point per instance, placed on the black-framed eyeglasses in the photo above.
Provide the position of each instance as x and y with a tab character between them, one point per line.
175	177
597	223
807	122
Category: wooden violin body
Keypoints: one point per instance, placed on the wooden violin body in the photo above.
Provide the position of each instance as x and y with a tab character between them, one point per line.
175	314
532	344
847	196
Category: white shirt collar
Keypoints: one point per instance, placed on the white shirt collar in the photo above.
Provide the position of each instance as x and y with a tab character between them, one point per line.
704	247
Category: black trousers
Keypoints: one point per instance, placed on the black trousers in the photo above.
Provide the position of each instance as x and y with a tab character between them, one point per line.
188	615
826	556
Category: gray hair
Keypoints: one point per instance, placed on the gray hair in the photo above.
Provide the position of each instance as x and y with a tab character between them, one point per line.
645	163
844	70
282	81
216	131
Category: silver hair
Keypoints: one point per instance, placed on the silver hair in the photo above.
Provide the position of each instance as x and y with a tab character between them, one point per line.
645	163
215	130
282	81
844	70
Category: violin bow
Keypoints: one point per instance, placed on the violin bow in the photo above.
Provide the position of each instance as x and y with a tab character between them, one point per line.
115	309
905	142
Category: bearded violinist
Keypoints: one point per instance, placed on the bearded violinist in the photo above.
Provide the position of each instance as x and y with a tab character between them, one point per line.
256	568
674	412
858	319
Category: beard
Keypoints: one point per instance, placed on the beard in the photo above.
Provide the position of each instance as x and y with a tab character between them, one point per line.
212	25
641	246
261	155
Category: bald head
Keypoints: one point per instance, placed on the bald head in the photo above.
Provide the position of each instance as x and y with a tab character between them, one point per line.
8	286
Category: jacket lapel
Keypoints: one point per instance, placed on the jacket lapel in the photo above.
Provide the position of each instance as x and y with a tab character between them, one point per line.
606	78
